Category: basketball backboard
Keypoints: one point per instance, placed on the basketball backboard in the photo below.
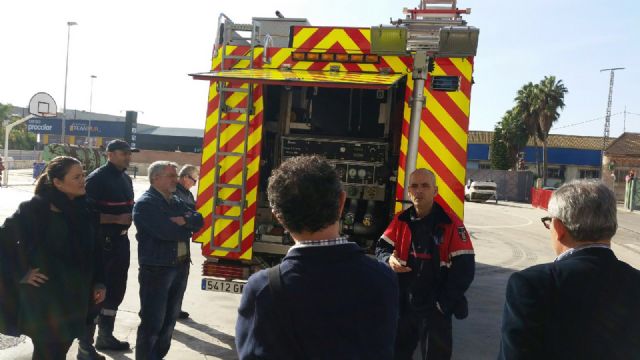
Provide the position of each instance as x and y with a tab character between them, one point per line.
42	104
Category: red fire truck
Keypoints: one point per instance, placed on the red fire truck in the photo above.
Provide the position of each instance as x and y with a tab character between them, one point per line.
377	102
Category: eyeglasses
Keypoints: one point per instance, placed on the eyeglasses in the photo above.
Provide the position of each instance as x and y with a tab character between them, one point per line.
192	179
546	221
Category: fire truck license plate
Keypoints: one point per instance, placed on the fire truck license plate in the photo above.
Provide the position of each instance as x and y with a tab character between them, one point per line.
222	286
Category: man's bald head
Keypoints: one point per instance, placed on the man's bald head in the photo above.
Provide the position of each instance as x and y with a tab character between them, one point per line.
422	190
424	171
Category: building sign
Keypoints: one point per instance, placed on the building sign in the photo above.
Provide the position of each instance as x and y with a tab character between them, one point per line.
77	127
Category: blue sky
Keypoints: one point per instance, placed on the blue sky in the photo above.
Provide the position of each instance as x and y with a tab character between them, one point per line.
141	53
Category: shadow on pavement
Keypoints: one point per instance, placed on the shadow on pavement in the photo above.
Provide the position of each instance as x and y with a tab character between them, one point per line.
205	347
478	336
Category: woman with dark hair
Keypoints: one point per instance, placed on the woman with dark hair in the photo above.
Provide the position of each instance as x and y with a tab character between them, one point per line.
57	261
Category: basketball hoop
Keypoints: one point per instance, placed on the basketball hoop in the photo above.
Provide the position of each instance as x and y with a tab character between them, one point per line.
43	105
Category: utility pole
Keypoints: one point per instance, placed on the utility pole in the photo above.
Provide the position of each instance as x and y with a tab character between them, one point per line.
607	121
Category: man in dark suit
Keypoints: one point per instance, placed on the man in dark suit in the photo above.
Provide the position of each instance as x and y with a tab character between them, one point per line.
584	305
331	301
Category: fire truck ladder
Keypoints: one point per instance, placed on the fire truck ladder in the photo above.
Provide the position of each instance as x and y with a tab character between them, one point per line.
232	37
424	23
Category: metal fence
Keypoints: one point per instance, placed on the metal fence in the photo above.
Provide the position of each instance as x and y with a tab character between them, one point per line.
512	185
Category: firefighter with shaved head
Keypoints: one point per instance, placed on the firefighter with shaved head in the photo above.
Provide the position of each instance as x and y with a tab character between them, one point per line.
431	252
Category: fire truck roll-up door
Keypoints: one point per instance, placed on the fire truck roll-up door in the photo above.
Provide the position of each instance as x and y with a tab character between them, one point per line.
332	79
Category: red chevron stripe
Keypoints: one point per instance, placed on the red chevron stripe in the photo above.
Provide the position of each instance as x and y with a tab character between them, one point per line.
249	213
450	107
441	169
444	136
450	69
314	39
251	183
445	206
359	39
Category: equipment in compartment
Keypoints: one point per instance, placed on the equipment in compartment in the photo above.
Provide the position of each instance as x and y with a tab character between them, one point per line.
335	149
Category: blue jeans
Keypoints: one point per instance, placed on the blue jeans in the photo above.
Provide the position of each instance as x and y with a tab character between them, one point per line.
161	292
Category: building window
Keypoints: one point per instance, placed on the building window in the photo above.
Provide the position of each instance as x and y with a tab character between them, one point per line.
484	166
555	173
590	174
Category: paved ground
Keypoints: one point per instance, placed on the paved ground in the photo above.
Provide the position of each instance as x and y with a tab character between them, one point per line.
507	237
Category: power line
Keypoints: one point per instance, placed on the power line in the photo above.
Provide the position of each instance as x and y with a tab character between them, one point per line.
588	121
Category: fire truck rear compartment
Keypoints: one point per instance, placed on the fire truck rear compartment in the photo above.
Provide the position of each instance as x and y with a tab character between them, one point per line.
357	130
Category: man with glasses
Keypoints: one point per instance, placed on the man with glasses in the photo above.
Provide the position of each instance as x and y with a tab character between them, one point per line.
164	225
187	178
584	305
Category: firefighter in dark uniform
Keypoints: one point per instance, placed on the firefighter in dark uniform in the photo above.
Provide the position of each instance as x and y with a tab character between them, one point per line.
430	250
110	190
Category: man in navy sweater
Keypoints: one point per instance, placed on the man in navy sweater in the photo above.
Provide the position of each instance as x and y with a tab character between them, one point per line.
164	225
339	303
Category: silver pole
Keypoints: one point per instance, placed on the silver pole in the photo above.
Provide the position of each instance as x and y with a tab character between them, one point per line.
66	74
90	111
417	103
7	130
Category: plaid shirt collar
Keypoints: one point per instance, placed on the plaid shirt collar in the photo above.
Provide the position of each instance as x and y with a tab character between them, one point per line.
318	243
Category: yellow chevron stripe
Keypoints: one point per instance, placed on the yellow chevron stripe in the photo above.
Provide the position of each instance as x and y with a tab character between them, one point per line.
396	64
442	152
232	241
366	33
464	66
222	224
278	59
457	96
302	65
461	100
337	36
443	117
209	150
207	180
302	36
368	67
443	189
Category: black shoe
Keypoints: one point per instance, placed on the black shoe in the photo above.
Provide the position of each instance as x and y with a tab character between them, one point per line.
89	353
109	342
183	315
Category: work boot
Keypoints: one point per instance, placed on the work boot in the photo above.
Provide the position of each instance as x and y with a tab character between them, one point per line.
106	340
183	315
86	351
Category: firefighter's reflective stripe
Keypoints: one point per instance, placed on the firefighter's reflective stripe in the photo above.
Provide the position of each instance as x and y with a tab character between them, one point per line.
305	78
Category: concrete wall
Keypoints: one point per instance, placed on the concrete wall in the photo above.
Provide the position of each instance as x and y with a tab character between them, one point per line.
144	158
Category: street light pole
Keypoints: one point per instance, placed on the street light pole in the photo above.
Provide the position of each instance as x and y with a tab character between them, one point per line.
66	74
93	77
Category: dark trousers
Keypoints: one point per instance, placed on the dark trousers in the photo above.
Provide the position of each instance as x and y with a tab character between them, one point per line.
116	266
44	349
431	334
161	292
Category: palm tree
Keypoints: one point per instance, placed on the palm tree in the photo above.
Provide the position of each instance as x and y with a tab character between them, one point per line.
526	109
515	134
549	99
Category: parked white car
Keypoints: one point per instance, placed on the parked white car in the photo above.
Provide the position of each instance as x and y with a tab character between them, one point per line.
481	191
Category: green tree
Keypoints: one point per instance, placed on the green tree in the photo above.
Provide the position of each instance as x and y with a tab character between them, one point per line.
537	105
526	110
549	100
514	134
20	138
499	153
